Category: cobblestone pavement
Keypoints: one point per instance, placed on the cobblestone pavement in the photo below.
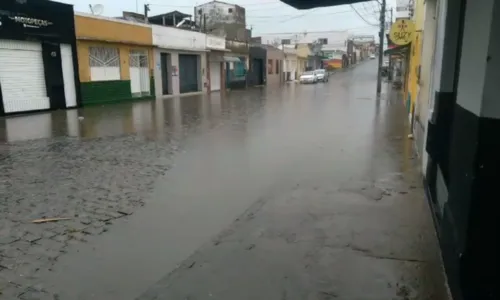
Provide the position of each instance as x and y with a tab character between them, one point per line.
92	181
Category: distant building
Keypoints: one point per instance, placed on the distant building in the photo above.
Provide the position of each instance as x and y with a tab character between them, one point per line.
174	19
222	19
404	9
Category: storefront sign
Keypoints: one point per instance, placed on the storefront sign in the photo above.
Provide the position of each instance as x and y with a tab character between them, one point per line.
31	22
402	32
216	43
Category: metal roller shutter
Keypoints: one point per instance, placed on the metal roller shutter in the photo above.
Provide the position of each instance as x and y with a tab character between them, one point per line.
188	73
22	77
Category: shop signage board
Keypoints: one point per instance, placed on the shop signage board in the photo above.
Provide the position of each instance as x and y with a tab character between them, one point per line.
402	32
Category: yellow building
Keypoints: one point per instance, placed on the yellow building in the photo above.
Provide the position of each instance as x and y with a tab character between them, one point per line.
303	53
413	71
115	59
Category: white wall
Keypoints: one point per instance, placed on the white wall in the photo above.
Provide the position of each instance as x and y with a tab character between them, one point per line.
179	39
476	39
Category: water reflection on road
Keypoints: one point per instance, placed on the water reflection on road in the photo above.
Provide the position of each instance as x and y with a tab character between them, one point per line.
279	153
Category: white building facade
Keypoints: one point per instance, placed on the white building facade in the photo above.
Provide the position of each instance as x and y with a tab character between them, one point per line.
216	66
290	63
181	61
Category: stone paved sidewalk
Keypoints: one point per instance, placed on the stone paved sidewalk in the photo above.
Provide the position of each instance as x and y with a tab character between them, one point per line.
90	181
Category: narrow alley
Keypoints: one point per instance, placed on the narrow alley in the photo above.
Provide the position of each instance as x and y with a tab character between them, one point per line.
298	192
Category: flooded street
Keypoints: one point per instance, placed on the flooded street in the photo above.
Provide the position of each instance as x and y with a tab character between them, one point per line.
293	192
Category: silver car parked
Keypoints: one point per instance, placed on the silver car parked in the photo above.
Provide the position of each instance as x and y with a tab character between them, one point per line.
308	77
322	75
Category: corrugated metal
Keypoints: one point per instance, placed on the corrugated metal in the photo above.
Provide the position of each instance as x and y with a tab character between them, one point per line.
22	76
68	75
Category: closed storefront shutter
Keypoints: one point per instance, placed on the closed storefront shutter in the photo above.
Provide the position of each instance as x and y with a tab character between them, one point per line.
22	78
188	73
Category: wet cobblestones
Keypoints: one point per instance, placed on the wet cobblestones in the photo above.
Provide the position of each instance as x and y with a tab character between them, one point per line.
90	181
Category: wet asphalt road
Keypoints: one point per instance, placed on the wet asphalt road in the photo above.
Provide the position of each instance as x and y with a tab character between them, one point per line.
299	192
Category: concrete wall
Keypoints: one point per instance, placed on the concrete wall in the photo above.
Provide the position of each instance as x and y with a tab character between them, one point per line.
221	22
218	12
179	39
274	76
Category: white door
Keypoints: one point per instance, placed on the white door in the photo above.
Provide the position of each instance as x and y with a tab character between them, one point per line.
139	73
22	77
215	76
293	69
68	75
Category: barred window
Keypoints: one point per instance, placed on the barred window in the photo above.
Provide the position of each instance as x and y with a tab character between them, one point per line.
104	63
104	57
138	59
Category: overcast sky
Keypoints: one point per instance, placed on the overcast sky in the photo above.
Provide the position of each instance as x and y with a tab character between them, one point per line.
263	16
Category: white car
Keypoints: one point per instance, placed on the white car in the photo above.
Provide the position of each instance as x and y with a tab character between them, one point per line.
372	56
322	75
308	77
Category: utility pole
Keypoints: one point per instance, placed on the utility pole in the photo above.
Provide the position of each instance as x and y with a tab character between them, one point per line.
146	9
381	47
389	76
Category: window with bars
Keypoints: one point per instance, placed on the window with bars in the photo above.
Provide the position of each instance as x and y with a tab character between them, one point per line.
138	59
104	63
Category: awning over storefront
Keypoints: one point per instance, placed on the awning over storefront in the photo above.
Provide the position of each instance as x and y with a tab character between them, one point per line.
231	59
307	4
398	50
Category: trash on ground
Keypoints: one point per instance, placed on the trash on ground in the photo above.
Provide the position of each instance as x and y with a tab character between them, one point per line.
47	220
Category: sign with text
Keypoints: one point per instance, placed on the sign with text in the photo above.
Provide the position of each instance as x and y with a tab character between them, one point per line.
402	32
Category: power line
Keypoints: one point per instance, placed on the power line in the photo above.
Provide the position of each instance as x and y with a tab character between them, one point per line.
279	16
316	32
242	5
352	6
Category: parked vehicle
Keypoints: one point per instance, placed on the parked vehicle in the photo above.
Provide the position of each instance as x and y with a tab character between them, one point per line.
308	77
322	75
372	56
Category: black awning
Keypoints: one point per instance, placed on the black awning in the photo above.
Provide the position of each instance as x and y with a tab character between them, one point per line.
397	50
307	4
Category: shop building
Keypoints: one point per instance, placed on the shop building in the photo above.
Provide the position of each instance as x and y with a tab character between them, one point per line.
237	63
275	59
290	65
216	64
38	65
115	59
257	71
181	60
